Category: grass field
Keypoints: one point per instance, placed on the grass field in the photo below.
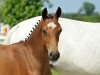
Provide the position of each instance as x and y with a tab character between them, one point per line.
54	72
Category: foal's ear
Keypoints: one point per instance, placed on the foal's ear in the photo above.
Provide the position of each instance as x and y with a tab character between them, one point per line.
44	13
58	12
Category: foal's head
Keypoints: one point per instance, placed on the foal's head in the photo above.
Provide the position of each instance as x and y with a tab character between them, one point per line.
51	30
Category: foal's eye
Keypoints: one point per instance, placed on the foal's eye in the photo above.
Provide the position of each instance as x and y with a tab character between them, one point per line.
44	31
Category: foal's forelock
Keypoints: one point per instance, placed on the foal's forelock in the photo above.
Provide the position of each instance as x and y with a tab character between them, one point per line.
50	16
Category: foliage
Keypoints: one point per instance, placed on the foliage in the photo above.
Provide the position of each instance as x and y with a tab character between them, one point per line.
0	18
55	72
88	8
15	11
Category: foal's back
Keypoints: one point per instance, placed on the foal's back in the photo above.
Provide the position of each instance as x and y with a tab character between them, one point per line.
13	60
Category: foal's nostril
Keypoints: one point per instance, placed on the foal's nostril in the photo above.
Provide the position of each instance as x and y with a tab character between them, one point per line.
54	55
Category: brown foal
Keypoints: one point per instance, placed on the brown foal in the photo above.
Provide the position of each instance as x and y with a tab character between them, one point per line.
30	57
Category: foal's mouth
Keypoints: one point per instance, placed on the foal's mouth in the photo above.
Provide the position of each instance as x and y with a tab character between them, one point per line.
53	60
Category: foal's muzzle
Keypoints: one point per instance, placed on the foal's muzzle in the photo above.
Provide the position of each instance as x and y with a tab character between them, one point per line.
54	56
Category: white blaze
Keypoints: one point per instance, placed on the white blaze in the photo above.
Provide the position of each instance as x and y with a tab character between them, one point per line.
52	25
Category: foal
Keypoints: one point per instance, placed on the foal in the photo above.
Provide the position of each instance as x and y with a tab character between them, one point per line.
30	57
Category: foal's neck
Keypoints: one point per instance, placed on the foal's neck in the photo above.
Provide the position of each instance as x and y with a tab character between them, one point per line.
36	36
35	41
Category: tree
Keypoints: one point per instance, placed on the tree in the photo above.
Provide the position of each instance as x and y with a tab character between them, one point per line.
88	8
15	11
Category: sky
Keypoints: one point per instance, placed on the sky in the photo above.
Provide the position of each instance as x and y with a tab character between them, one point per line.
69	6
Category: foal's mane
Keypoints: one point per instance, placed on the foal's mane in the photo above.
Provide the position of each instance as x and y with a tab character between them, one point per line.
49	16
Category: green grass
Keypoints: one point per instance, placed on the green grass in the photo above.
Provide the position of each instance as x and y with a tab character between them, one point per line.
54	72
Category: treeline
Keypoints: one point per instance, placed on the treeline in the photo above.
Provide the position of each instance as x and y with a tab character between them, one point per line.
88	18
15	11
86	13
